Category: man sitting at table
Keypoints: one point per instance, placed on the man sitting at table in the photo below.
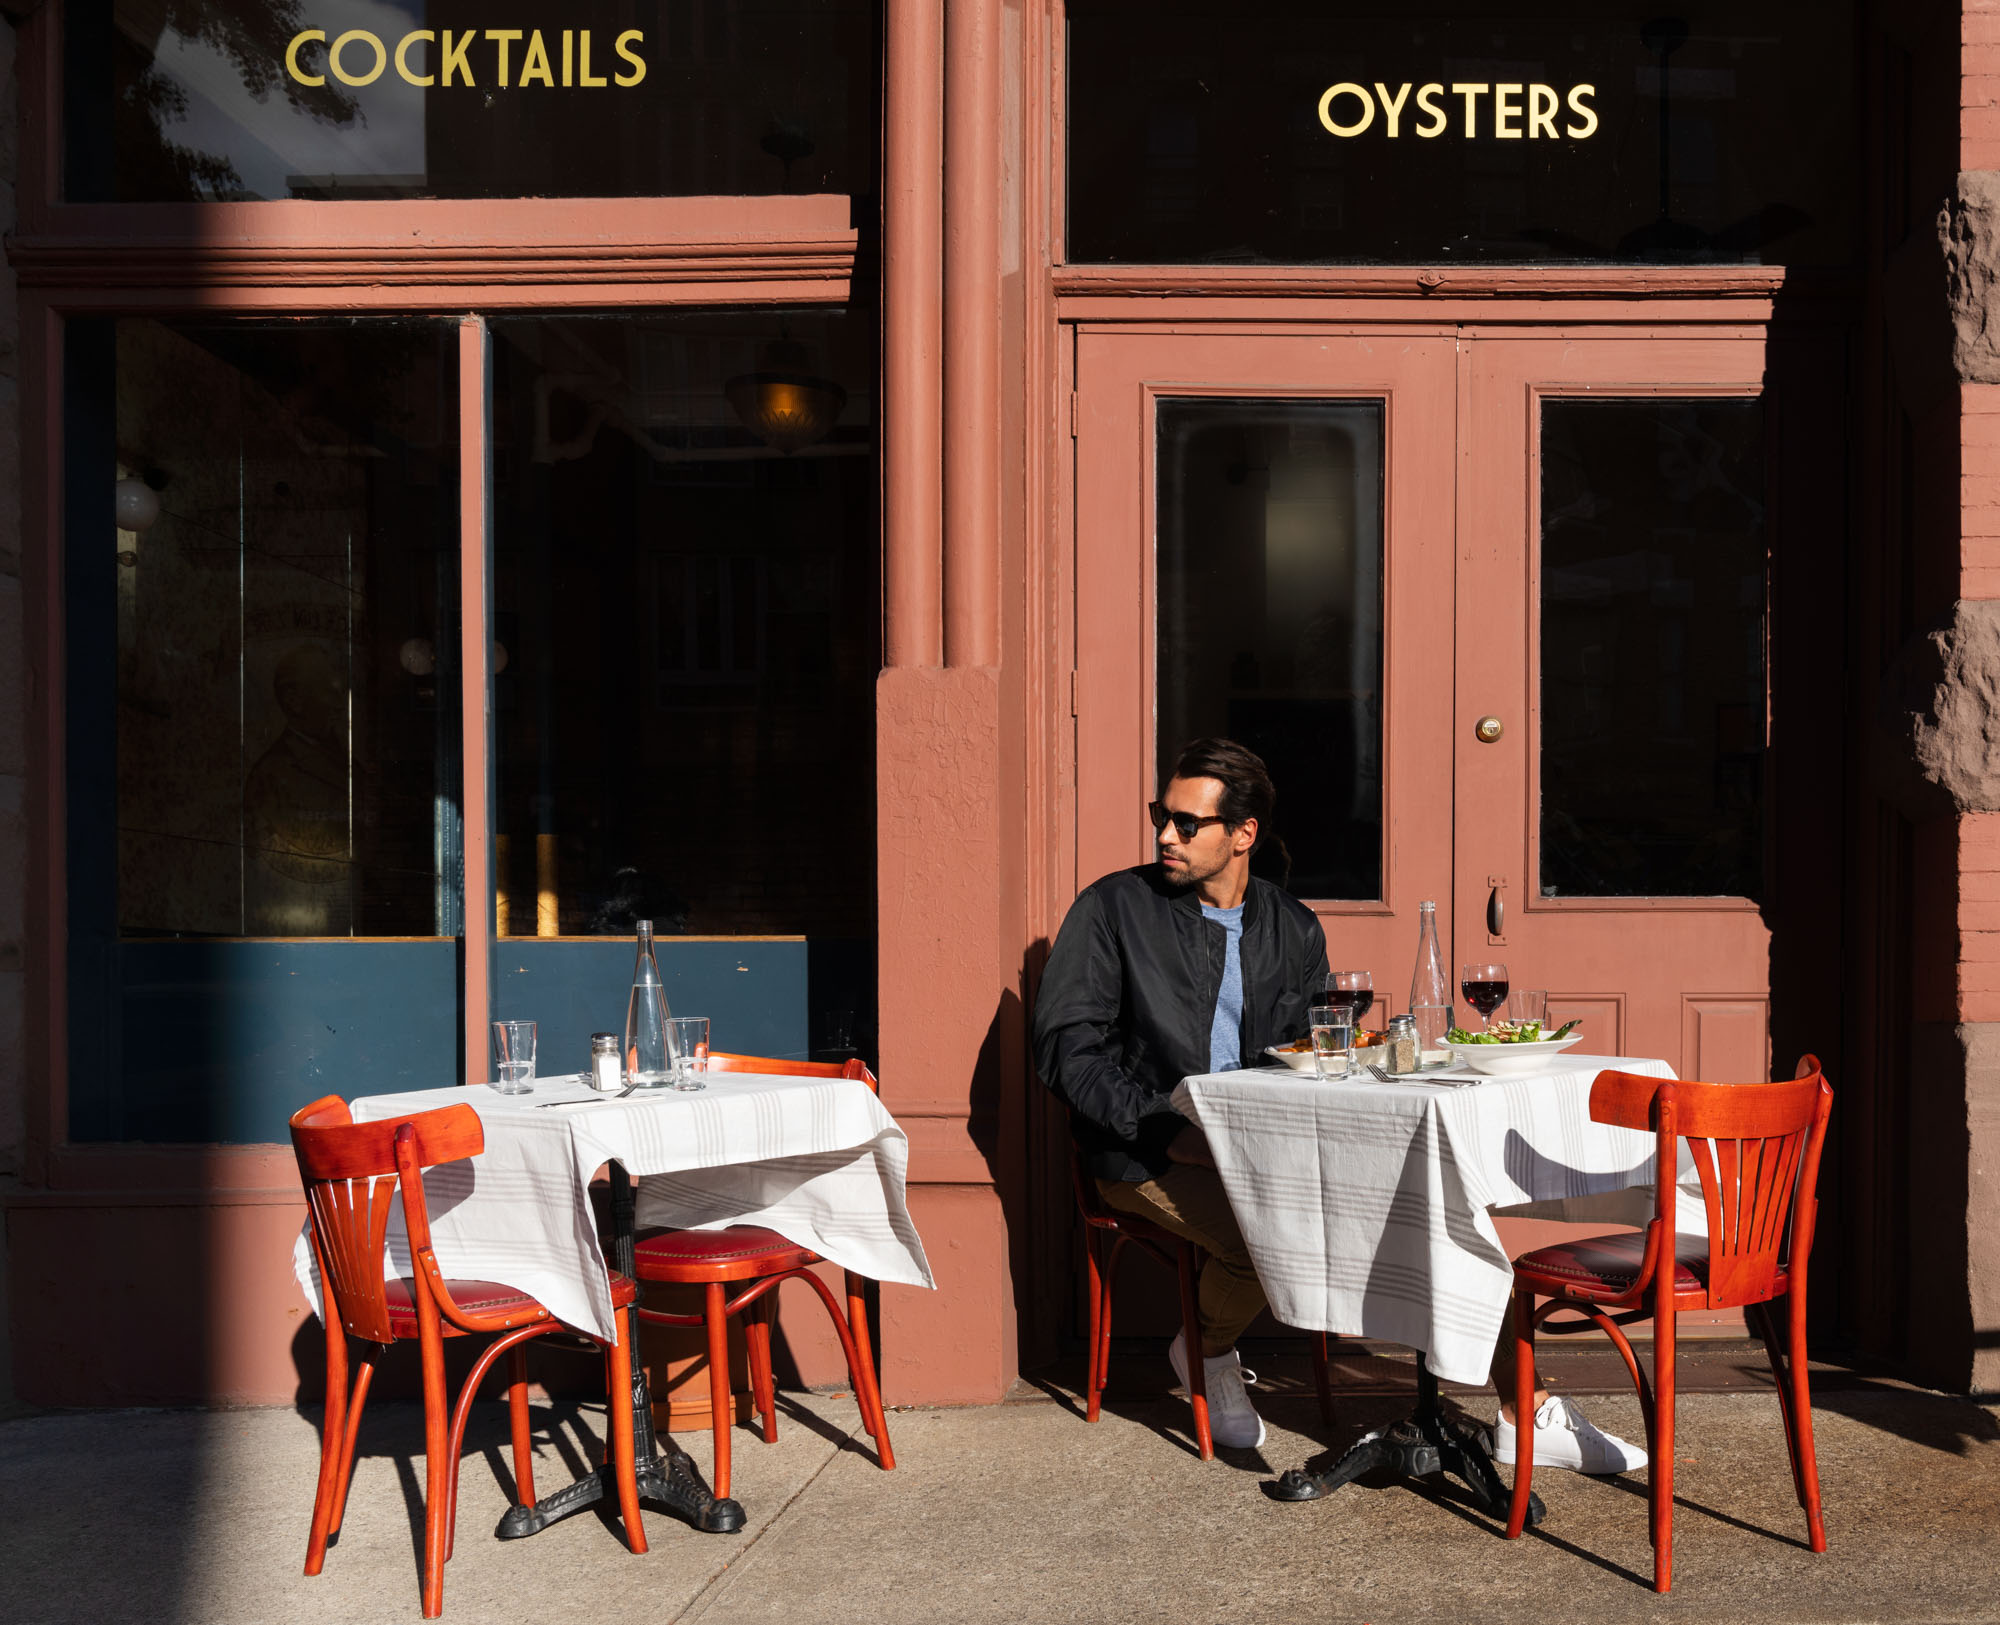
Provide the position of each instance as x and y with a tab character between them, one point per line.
1192	964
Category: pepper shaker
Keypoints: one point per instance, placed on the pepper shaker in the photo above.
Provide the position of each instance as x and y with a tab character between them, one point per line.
1401	1044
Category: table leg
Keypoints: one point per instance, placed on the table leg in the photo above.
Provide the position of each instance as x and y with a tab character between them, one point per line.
668	1479
1433	1439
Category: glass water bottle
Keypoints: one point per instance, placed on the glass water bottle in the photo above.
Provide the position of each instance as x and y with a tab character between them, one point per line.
649	1036
1430	993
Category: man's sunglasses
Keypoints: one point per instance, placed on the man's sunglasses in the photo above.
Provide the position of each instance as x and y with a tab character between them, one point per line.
1185	824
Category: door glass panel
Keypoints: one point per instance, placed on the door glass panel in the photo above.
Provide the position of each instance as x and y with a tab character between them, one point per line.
263	751
1653	595
687	606
1269	582
172	100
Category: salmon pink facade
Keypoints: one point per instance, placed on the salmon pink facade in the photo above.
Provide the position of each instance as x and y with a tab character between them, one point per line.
793	473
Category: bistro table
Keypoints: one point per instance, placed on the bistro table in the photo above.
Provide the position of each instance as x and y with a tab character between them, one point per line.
1367	1208
819	1160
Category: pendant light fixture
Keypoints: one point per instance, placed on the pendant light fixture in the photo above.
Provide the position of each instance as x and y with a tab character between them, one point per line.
782	403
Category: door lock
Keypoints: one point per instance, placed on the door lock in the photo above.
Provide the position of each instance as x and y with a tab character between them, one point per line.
1487	729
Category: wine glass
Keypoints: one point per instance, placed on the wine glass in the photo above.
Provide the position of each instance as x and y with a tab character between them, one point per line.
1484	988
1355	987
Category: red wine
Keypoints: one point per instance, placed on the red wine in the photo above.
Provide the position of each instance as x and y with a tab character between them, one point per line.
1341	999
1364	1001
1485	997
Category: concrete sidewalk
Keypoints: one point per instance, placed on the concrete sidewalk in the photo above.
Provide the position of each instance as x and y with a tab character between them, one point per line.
1009	1513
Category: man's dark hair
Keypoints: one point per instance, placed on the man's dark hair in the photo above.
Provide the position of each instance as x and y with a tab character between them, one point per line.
1247	791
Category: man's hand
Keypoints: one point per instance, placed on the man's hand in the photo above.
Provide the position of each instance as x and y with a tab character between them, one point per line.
1191	1146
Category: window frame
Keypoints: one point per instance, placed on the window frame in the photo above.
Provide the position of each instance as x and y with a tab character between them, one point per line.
415	257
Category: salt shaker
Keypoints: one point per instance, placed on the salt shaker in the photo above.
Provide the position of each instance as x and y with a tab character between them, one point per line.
607	1068
1401	1044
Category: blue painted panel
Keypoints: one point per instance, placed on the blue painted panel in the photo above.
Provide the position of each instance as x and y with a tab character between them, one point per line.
223	1041
752	991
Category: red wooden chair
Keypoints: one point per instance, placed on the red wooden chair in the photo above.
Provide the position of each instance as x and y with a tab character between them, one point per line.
752	1254
1756	1148
351	1172
1114	1231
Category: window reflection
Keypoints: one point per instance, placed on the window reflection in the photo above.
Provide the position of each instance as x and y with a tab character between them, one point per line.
282	771
245	99
1653	600
1269	582
261	763
686	590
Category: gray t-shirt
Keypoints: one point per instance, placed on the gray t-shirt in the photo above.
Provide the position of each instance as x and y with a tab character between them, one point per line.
1225	1031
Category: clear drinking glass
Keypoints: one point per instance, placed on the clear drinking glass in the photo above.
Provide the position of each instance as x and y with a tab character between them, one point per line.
1332	1039
1528	1004
514	1056
690	1050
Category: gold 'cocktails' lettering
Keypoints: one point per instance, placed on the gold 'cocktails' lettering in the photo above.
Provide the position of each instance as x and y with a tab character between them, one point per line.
1503	112
510	58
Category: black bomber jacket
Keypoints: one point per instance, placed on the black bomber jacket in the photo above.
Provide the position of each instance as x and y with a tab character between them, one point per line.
1125	1005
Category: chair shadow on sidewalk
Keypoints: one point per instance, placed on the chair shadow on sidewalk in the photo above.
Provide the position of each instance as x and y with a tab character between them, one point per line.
1155	1412
393	1431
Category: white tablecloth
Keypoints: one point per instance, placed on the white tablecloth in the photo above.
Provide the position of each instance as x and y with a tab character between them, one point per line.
1366	1206
817	1159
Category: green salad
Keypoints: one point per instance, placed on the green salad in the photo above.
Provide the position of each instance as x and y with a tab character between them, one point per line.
1510	1032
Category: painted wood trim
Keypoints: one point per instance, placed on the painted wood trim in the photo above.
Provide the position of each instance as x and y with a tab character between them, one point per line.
1480	281
475	684
45	1040
445	243
972	385
145	1171
912	407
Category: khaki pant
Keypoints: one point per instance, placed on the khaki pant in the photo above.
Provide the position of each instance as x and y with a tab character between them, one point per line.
1191	1203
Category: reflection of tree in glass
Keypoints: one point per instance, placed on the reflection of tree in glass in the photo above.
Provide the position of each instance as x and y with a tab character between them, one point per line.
252	35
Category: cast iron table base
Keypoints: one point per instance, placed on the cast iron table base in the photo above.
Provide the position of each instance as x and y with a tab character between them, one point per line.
668	1479
1430	1441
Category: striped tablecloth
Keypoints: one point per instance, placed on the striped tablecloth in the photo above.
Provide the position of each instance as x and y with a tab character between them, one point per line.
817	1159
1367	1206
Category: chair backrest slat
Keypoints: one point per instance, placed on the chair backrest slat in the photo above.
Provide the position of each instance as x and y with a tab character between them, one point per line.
350	1178
1755	1149
773	1066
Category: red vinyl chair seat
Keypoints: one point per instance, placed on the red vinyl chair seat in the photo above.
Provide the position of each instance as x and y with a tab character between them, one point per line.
741	1251
1755	1148
1606	1267
758	1259
1106	1235
505	1303
352	1173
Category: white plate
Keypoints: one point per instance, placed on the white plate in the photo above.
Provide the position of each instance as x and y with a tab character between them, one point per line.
1301	1060
1510	1060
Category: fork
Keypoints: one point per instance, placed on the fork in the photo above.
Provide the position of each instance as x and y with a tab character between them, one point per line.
544	1105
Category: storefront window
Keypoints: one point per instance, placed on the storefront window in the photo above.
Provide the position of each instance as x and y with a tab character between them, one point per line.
687	604
1286	131
171	100
264	842
1269	582
1653	591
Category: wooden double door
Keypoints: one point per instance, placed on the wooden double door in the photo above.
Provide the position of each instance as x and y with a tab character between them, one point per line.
1530	623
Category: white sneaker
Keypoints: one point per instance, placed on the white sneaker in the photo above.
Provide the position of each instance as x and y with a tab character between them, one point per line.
1232	1420
1565	1437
